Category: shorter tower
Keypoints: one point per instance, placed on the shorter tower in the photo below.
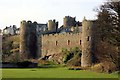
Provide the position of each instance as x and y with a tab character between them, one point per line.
69	21
87	43
52	25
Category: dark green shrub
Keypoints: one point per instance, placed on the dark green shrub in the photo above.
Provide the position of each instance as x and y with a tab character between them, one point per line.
64	50
24	64
77	69
69	56
76	50
74	68
70	68
7	46
75	61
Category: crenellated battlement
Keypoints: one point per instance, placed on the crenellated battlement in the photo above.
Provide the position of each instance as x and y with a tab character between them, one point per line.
60	34
24	21
27	22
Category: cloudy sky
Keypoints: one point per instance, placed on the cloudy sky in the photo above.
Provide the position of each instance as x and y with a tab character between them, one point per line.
14	11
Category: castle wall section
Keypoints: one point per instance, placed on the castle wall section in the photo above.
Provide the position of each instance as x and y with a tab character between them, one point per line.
54	43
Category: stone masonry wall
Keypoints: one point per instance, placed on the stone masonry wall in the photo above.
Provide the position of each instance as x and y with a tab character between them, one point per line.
54	43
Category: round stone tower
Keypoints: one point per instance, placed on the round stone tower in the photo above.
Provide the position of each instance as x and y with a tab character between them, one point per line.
52	25
87	43
68	21
28	40
24	32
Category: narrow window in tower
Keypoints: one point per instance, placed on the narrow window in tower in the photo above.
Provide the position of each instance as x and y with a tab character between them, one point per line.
80	42
56	43
88	28
68	42
88	38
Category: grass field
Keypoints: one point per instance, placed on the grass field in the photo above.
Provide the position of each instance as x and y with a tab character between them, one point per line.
53	73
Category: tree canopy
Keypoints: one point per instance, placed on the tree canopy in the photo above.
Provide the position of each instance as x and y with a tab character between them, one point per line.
108	21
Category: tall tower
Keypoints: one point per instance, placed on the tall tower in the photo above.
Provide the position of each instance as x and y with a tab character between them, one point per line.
33	40
24	32
87	43
28	40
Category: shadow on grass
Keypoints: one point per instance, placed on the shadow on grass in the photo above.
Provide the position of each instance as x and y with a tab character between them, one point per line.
49	66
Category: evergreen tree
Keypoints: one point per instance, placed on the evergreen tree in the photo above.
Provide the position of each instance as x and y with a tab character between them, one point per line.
108	22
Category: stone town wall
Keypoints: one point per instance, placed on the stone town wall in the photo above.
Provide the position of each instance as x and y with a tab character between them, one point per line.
54	43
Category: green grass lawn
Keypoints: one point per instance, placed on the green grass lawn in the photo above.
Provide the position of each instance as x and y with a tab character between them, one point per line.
53	73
